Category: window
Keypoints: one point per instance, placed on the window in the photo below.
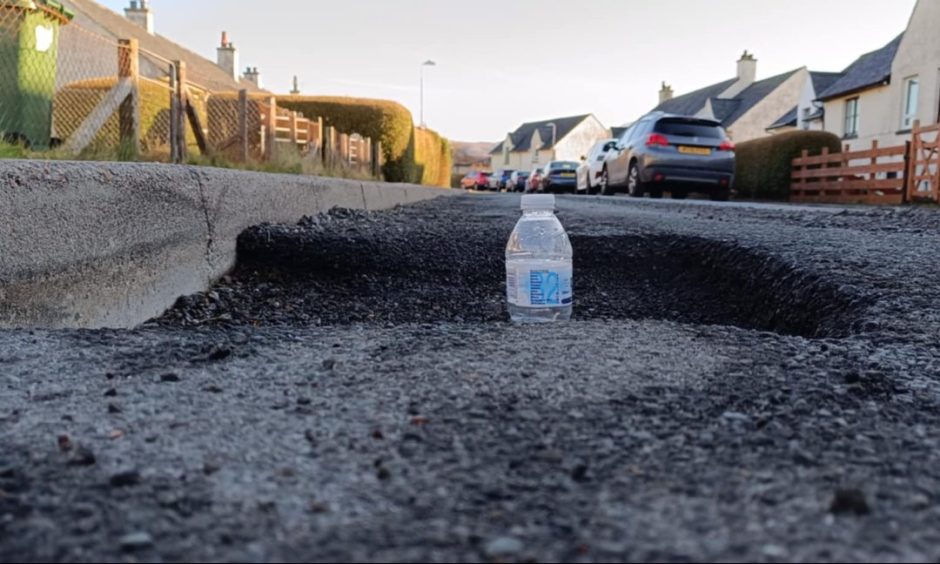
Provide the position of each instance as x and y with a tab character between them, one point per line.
851	117
911	95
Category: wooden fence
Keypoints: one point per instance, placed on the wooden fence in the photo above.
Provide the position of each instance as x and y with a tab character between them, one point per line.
879	175
873	176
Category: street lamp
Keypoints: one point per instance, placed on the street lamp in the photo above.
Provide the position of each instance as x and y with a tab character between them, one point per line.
554	138
427	63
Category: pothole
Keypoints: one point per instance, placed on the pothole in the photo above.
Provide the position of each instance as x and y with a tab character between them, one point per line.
366	270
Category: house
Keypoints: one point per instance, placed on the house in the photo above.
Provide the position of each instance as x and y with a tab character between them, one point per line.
807	115
745	106
90	48
537	143
884	92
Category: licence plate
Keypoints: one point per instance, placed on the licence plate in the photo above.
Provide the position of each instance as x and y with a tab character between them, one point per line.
568	175
705	151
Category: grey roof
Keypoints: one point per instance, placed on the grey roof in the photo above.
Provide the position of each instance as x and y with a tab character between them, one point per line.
722	108
752	95
726	110
868	70
822	81
693	102
96	19
522	137
787	120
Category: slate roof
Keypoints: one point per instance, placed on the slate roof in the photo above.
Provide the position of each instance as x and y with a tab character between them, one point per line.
522	137
617	132
868	70
751	96
726	110
787	120
93	18
821	81
693	102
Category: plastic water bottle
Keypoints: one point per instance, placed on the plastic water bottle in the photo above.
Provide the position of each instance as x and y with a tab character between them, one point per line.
538	265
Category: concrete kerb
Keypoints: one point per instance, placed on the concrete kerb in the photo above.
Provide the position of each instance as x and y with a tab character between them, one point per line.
114	244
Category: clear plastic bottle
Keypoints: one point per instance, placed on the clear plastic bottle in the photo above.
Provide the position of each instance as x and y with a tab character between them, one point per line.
539	271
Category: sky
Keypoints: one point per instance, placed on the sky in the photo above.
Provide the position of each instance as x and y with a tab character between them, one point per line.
504	62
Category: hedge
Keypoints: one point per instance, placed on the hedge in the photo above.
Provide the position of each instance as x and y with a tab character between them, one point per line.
75	101
764	166
387	122
433	158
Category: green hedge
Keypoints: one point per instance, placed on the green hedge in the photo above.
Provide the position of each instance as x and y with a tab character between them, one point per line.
764	166
382	120
433	158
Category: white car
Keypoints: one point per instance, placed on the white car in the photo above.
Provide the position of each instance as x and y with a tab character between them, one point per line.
589	172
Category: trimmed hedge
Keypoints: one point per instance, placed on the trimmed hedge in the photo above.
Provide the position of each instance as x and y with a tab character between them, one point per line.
764	166
75	101
433	157
382	120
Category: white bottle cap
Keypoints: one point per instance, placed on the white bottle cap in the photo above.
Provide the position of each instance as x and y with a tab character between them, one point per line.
538	202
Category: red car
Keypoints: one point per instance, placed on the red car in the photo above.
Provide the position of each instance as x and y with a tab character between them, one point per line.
476	180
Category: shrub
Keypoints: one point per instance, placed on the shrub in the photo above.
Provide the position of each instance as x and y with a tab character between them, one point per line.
433	158
764	166
74	102
382	120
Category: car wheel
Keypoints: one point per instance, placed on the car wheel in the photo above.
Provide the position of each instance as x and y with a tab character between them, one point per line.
604	184
721	195
634	185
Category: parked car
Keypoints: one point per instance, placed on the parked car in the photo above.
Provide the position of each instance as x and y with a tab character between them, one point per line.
535	180
589	173
476	180
500	179
682	153
560	176
517	181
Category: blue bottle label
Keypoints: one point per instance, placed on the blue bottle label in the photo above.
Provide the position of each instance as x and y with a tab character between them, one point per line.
537	284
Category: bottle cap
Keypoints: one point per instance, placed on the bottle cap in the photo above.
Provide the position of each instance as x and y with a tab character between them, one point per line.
538	202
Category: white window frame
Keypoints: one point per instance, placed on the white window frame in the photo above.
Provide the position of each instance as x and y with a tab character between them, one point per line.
909	106
851	130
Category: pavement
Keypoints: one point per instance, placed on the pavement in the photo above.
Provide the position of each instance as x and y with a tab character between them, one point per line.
739	383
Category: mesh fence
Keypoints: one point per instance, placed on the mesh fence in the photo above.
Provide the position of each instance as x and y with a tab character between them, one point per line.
52	76
65	91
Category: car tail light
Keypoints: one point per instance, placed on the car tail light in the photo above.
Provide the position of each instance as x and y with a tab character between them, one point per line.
657	139
726	145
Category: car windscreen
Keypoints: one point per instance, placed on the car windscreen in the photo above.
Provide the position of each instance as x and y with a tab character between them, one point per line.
689	128
562	166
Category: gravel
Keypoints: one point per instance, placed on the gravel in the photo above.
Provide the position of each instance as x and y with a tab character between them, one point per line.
740	383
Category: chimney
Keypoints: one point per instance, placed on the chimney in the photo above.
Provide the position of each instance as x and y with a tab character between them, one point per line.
139	13
228	57
665	93
747	69
296	90
252	75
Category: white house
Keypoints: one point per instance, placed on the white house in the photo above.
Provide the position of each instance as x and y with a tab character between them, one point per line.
535	144
745	106
885	91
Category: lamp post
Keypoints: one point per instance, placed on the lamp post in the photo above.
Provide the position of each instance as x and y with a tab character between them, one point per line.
427	63
554	138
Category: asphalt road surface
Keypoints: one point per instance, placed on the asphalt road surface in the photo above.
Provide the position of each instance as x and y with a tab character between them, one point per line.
739	383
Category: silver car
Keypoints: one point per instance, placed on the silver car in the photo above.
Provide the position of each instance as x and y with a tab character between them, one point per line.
662	151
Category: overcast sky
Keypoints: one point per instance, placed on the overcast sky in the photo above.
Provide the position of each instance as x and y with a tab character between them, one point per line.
503	62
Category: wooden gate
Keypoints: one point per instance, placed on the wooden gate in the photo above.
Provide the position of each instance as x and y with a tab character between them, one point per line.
923	168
